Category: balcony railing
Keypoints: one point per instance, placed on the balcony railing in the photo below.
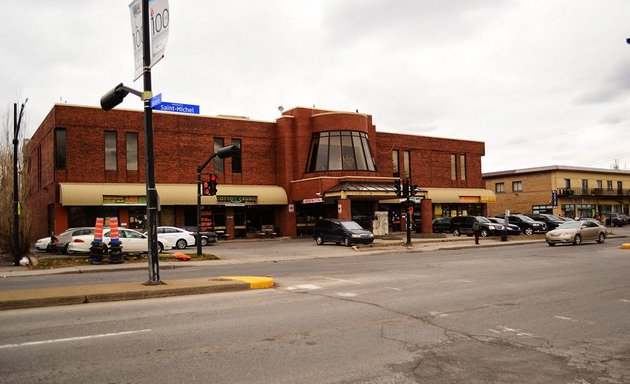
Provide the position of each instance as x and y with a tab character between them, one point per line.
603	192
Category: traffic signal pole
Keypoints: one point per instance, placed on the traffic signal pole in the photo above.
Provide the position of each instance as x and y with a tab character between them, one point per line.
199	170
222	153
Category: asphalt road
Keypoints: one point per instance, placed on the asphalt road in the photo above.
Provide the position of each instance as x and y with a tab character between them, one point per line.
514	314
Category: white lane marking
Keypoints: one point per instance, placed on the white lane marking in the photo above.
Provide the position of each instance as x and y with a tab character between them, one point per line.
393	289
465	281
564	318
624	300
494	330
345	294
72	339
343	281
304	286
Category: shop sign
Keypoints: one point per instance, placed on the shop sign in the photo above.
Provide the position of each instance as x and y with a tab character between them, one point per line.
124	200
230	200
311	201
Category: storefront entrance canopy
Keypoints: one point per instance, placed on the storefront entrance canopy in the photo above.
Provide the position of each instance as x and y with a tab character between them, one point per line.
89	194
359	189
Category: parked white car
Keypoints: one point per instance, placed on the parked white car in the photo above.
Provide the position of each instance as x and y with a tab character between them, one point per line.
180	238
131	242
44	245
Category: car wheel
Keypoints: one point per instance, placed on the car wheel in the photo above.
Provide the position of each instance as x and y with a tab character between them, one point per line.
160	247
319	240
484	233
529	231
577	240
601	238
181	244
65	249
347	242
551	244
204	241
456	232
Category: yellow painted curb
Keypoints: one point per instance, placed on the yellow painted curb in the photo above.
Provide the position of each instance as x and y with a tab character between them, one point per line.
625	246
255	282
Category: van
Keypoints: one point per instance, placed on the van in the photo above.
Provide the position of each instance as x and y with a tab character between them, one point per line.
338	231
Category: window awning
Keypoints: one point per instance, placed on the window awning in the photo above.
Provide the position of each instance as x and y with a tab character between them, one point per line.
91	194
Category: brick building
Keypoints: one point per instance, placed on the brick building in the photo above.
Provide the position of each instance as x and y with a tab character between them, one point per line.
86	163
560	190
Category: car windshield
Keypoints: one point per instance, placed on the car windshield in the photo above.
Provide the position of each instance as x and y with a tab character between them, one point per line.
570	225
482	219
351	225
553	217
498	220
525	218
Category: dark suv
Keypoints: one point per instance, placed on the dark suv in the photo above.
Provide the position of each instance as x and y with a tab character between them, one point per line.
338	231
528	225
551	220
463	225
616	219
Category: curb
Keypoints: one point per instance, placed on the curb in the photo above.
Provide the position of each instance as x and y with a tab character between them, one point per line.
83	294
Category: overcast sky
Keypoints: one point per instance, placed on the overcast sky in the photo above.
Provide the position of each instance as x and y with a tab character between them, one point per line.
541	82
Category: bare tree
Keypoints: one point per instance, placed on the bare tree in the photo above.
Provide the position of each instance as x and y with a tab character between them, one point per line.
6	199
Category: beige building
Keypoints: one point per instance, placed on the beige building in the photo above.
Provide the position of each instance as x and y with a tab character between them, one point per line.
560	190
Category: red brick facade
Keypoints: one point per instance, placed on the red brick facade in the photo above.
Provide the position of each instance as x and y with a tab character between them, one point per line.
273	153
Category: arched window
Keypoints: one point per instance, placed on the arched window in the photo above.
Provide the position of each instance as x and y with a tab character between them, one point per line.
340	151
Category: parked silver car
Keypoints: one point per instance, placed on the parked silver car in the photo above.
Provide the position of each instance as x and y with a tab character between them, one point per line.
576	232
60	242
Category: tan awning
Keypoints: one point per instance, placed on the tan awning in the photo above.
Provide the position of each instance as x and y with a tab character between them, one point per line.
460	195
88	194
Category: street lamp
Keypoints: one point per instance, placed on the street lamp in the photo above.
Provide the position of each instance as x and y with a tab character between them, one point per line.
16	202
222	153
115	97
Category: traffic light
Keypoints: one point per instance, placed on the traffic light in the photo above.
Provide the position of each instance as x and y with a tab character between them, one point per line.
405	187
414	189
397	187
213	185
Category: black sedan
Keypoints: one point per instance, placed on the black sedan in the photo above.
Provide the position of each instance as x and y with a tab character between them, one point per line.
511	228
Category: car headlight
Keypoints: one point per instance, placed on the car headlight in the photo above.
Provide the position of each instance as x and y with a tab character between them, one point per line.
354	235
491	227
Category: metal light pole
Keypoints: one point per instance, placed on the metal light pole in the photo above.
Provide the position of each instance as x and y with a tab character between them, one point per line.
154	267
115	97
222	153
16	195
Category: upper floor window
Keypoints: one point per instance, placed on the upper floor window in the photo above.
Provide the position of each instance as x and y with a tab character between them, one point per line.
517	186
132	151
584	184
396	169
599	184
619	185
340	150
567	183
218	163
453	167
236	160
499	187
110	151
407	163
609	184
60	148
462	167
